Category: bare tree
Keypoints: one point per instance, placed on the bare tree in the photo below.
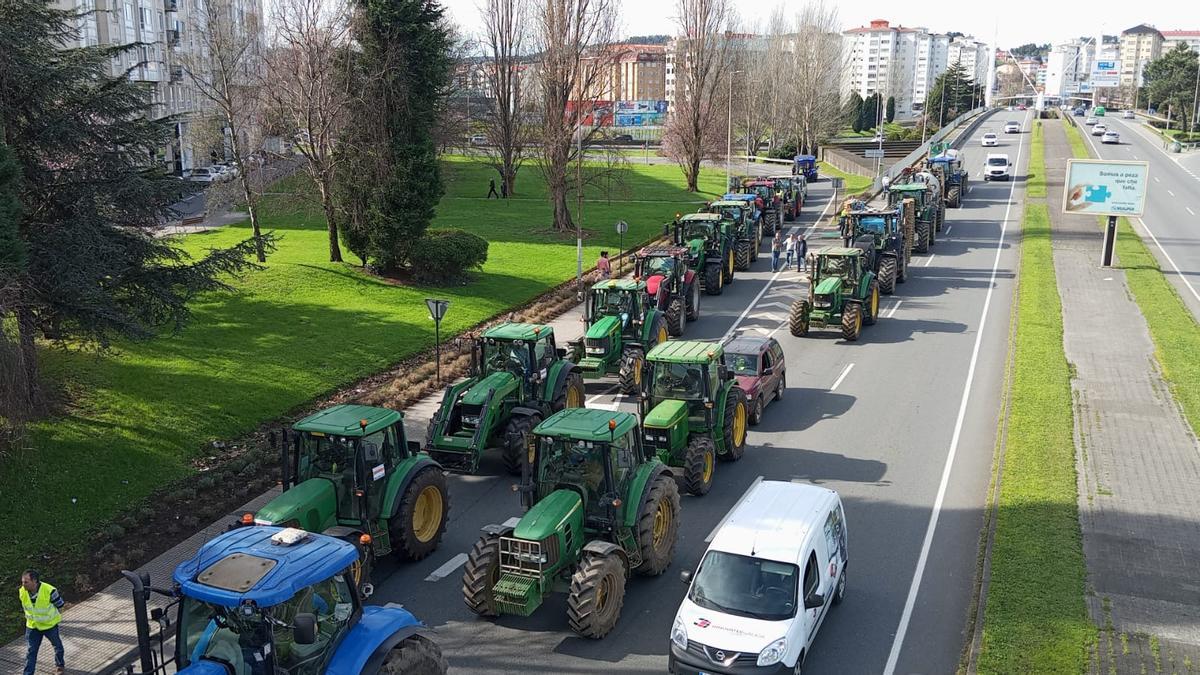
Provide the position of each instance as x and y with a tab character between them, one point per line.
817	62
307	94
574	39
701	66
505	43
228	70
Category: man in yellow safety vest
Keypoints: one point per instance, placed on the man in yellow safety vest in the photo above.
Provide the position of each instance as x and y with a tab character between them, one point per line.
41	602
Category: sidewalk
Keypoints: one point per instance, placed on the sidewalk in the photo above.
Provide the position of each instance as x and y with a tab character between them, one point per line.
1138	463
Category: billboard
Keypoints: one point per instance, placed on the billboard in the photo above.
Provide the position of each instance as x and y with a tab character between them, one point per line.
1106	74
640	113
1105	188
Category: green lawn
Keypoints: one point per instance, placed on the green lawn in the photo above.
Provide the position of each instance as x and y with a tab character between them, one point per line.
852	183
1035	620
298	329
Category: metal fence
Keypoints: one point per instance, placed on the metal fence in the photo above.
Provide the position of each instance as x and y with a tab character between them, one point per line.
968	120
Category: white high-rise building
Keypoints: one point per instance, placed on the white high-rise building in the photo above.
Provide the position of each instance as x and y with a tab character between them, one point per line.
973	56
932	60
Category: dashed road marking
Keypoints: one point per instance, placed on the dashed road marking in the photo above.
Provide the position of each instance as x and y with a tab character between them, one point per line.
892	312
841	377
948	228
1189	210
447	568
512	522
1170	193
1156	180
601	395
929	260
736	504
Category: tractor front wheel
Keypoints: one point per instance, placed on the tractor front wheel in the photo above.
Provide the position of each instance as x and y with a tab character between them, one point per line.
693	303
414	654
675	318
734	424
572	393
630	376
872	312
480	576
730	265
596	595
922	242
658	526
714	278
516	440
419	523
851	321
887	275
955	195
698	465
798	318
743	255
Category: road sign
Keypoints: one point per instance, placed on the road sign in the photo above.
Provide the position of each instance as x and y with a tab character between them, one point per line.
622	227
1105	188
1106	74
873	153
437	308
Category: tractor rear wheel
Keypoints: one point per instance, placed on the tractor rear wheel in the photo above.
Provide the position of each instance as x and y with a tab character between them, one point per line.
887	275
955	197
851	321
921	245
630	376
733	423
481	574
658	525
516	440
755	243
798	318
872	310
419	523
743	255
901	270
571	395
714	278
693	302
730	265
596	595
414	654
698	465
675	318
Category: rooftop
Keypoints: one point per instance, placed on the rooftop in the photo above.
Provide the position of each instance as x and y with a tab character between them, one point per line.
620	285
839	251
685	351
586	424
704	217
518	331
774	520
349	420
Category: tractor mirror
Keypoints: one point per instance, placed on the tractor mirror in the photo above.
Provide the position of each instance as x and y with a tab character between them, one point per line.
685	576
666	229
304	628
414	447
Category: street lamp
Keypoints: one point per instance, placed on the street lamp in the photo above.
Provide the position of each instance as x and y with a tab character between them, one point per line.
729	130
437	310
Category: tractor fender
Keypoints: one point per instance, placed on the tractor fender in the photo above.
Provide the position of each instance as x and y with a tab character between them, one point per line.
606	548
523	411
401	477
650	326
557	378
644	475
689	278
366	645
498	530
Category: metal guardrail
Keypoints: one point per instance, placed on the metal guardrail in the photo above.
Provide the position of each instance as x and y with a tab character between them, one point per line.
911	158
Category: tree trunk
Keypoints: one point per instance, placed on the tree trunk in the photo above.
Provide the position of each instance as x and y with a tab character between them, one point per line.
29	358
335	251
247	193
692	173
562	213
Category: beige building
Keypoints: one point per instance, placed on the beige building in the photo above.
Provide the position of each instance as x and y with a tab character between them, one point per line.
1139	46
641	73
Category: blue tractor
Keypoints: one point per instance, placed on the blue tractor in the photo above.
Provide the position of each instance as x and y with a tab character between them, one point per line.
949	169
805	165
274	601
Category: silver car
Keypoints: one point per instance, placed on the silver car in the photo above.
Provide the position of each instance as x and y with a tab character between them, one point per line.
1111	137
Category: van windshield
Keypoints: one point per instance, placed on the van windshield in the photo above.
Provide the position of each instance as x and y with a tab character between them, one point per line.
997	161
745	586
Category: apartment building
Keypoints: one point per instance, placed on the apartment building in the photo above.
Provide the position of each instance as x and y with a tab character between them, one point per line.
933	57
972	54
641	73
1139	46
1187	38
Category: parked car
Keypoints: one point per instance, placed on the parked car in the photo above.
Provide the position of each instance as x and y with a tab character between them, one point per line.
1111	137
1090	120
1128	114
765	584
1022	107
622	138
758	364
479	139
203	175
989	140
996	167
1012	127
1099	130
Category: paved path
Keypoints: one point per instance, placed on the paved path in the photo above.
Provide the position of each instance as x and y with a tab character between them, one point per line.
1138	461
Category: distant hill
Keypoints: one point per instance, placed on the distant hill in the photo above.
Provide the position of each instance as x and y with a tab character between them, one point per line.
646	40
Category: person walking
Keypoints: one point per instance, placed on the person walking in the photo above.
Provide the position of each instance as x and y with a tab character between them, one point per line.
492	189
504	189
789	249
801	251
41	603
604	266
776	249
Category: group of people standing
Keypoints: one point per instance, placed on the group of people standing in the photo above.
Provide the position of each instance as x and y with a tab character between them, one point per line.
791	247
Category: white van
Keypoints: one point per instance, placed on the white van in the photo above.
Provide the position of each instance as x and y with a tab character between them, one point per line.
765	583
996	167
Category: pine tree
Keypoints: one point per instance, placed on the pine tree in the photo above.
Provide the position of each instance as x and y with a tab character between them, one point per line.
854	109
891	109
870	112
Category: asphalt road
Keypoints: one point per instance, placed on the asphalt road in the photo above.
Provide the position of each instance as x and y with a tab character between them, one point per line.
1171	224
901	423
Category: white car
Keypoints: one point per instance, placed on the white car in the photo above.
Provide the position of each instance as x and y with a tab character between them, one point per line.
203	175
1111	137
1090	120
989	140
765	584
1099	130
1128	114
996	167
1012	127
479	139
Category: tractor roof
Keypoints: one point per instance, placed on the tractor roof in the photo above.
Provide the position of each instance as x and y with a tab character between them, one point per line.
782	177
702	217
839	251
804	158
518	331
908	187
586	424
244	564
346	420
740	203
738	197
686	351
758	182
873	212
620	285
662	251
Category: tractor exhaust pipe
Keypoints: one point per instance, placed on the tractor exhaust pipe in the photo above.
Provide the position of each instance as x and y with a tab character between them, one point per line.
141	593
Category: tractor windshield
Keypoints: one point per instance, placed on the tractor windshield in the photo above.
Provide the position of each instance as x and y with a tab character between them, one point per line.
239	637
682	381
331	456
872	224
501	355
612	302
746	586
567	461
660	265
733	213
836	266
764	191
696	230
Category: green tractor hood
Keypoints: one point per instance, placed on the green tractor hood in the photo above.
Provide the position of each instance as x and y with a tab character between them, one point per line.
311	505
666	414
695	246
503	382
828	286
552	515
604	327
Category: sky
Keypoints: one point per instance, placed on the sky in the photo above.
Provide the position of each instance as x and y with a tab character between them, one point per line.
1009	22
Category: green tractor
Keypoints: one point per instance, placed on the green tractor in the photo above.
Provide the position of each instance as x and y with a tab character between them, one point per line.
881	236
928	209
710	242
693	412
622	325
747	232
518	378
600	506
842	291
349	472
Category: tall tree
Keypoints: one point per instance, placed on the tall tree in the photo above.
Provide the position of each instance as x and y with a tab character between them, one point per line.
1171	84
15	403
702	60
891	109
391	183
90	197
854	111
505	47
817	63
308	93
870	112
952	94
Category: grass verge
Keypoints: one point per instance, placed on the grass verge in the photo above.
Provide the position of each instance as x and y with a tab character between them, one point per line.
1035	619
852	183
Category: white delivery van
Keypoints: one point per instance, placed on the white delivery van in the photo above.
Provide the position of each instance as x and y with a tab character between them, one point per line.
996	167
765	583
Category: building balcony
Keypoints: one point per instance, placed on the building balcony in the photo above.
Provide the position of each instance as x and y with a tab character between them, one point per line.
171	5
176	73
173	38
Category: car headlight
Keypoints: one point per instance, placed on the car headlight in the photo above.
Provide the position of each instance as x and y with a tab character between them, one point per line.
773	653
679	636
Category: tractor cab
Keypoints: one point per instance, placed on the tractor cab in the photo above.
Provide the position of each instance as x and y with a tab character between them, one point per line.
916	191
623	300
731	210
763	190
805	165
749	200
510	359
840	263
590	452
671	284
697	232
687	372
621	323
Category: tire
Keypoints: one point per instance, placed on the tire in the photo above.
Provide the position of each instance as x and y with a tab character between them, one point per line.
921	245
839	592
659	513
415	655
480	575
755	243
572	394
756	413
872	304
798	318
714	279
901	271
782	386
887	276
596	595
630	377
698	465
420	521
955	197
516	436
675	318
932	235
851	321
743	255
730	267
693	303
734	431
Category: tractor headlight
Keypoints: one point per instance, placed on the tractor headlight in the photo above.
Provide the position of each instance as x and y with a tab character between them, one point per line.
595	351
679	636
773	653
470	419
823	301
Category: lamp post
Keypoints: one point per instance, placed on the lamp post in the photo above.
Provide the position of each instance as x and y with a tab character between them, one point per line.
437	310
622	228
729	130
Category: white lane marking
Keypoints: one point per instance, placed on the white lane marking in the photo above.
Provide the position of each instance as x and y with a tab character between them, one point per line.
948	228
767	287
601	395
1156	180
728	513
929	260
1189	210
1170	193
841	377
780	305
612	405
927	544
447	568
892	311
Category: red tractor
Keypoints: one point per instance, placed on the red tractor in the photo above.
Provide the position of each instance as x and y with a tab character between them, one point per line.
670	285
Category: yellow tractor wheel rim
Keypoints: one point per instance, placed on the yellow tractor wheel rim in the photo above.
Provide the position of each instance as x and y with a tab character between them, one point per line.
637	372
662	334
427	514
731	263
739	423
875	302
574	397
662	523
857	321
708	467
602	592
356	571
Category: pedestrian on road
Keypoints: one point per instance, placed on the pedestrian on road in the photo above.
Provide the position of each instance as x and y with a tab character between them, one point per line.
776	249
789	248
42	603
885	181
604	266
492	189
801	251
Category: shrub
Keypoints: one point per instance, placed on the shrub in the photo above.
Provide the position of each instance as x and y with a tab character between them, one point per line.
447	255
